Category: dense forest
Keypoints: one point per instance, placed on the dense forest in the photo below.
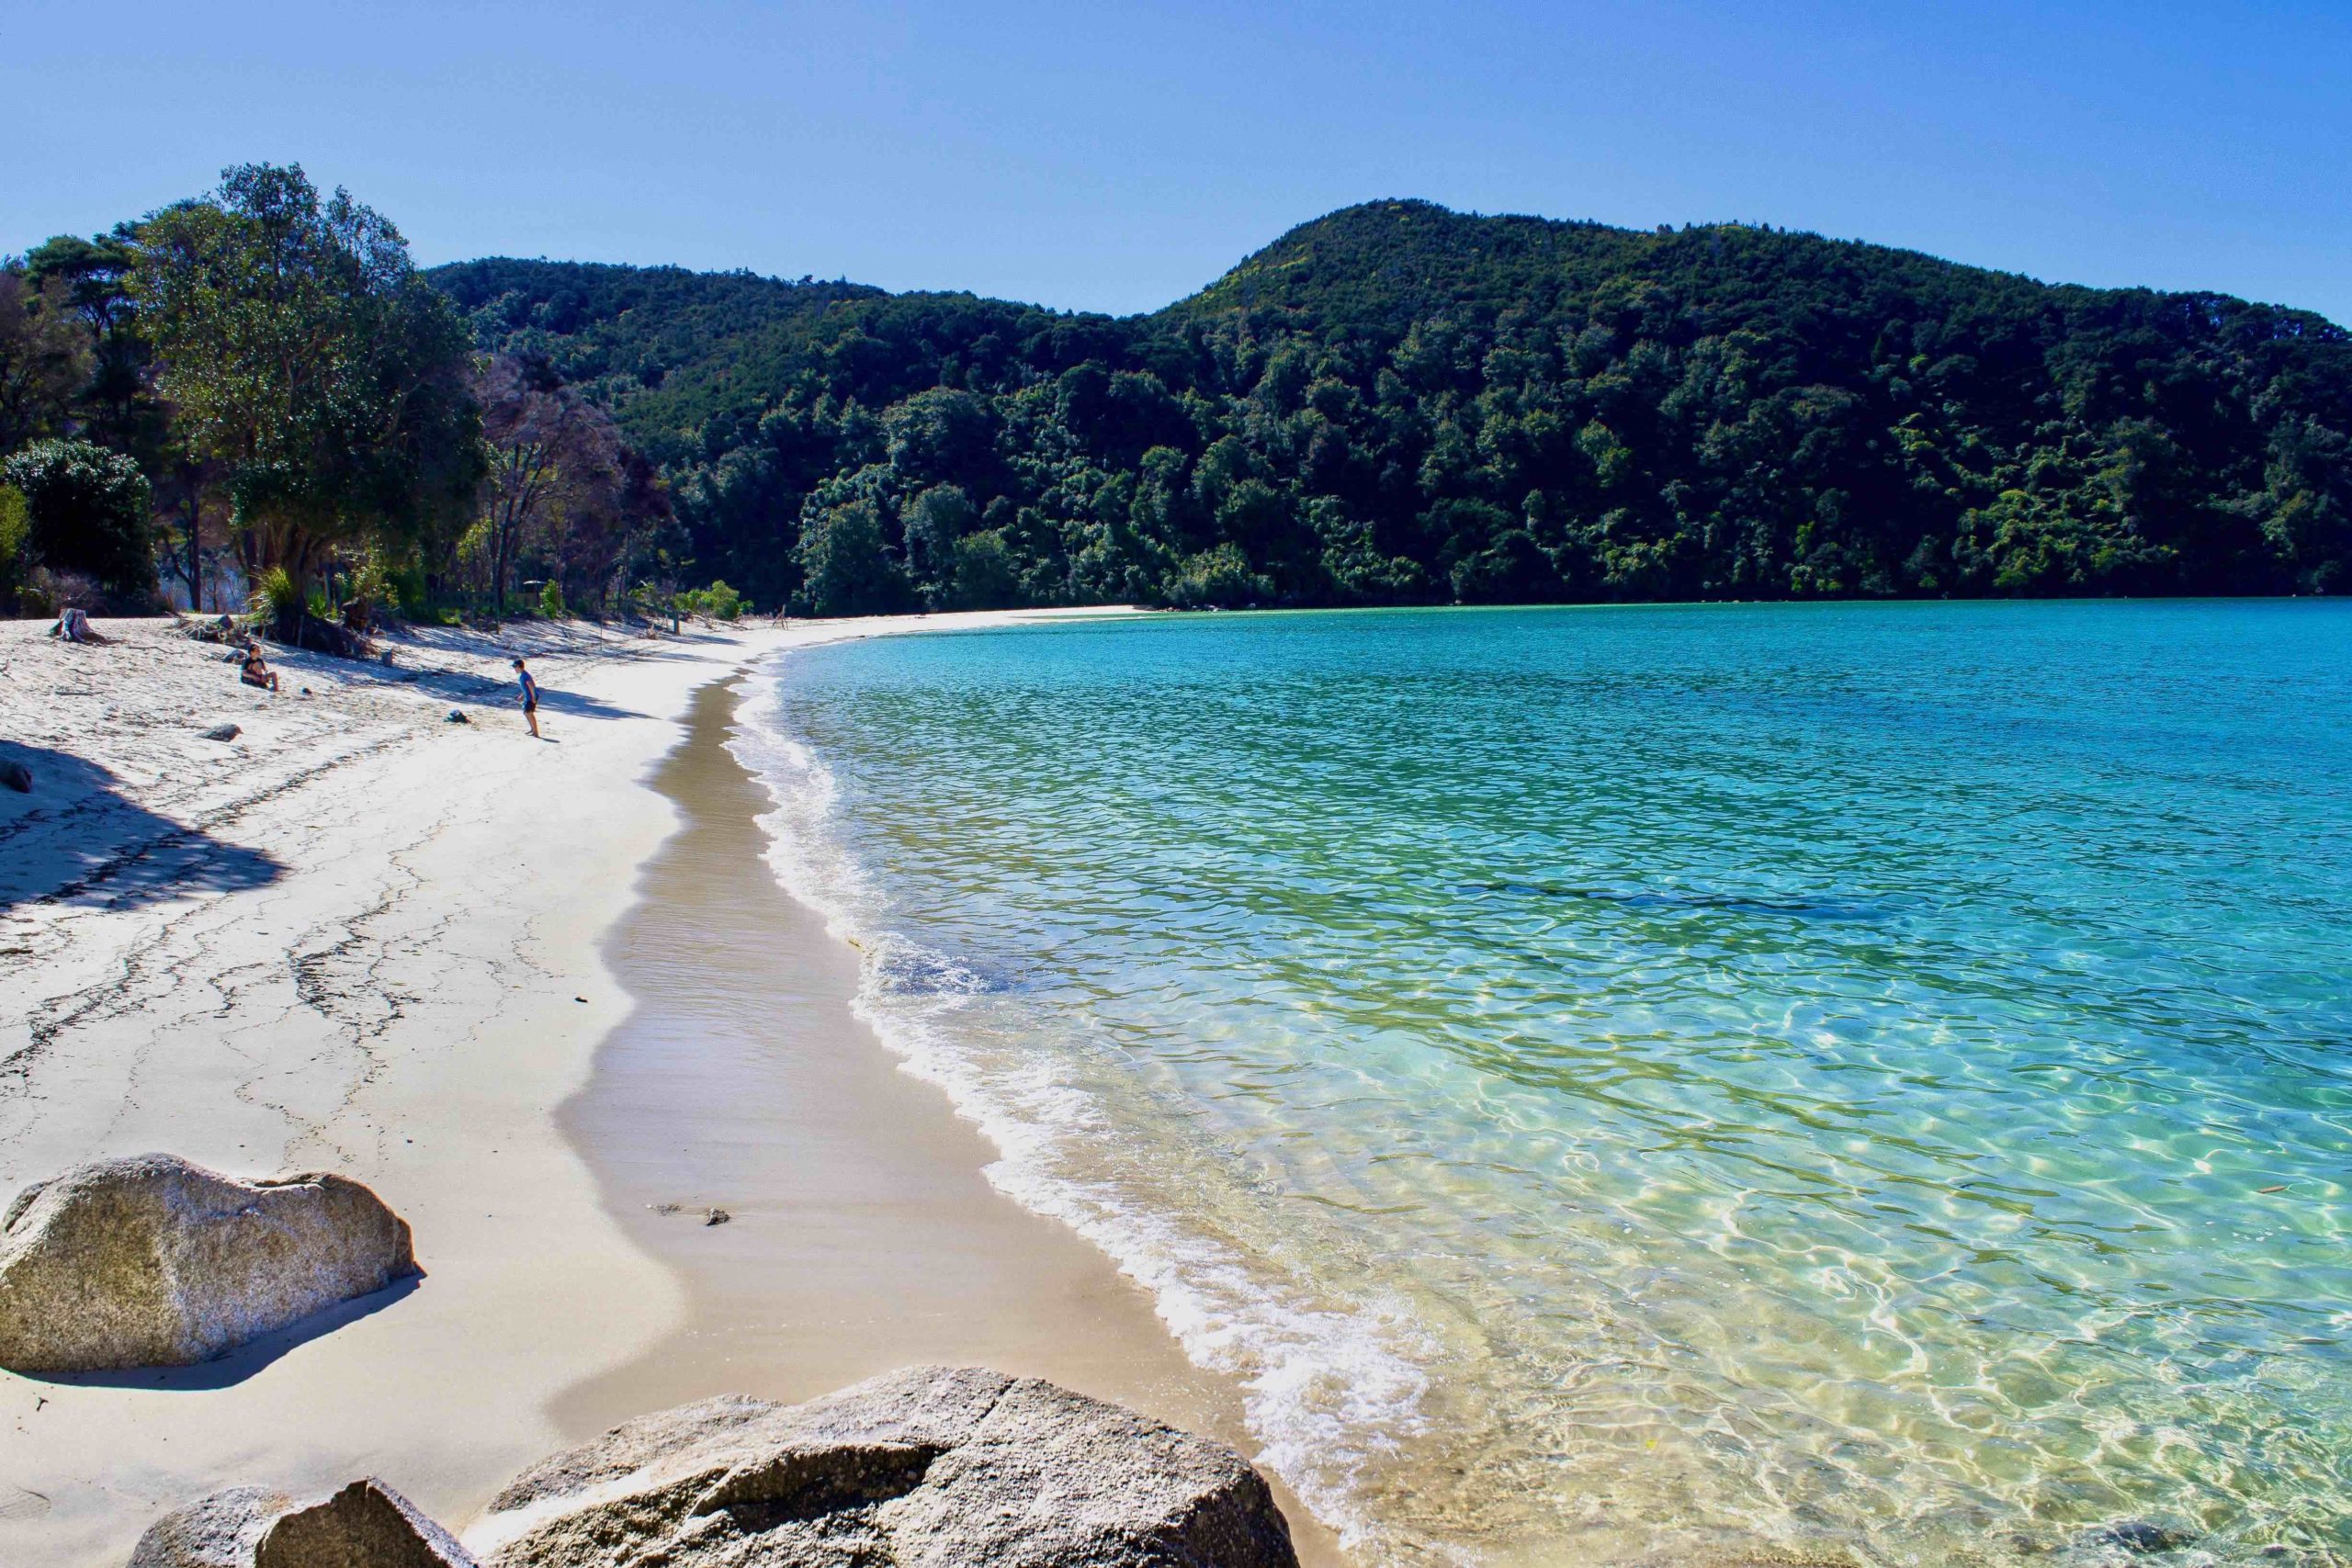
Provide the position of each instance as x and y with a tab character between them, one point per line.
1397	403
255	389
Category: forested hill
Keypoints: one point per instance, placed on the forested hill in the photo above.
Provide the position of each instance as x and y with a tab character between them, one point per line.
1397	403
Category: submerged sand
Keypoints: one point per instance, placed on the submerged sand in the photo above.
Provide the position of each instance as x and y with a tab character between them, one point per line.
362	938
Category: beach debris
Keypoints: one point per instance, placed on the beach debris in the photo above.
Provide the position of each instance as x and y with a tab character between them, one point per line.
252	1526
717	1217
667	1208
2266	1191
455	715
222	732
150	1261
74	626
929	1464
16	776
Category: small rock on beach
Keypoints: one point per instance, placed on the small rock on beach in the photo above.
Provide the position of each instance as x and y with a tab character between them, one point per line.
366	1522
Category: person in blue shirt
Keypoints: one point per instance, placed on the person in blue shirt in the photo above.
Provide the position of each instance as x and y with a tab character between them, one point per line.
530	700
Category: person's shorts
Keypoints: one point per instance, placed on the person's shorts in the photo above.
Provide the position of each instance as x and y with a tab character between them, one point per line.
530	707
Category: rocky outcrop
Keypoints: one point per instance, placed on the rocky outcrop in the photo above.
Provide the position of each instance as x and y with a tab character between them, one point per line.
366	1524
926	1468
150	1261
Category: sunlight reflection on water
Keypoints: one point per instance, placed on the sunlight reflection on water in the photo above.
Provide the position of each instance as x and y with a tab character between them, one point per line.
1867	1079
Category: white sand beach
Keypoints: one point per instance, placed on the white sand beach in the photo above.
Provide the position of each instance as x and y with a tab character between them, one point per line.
360	937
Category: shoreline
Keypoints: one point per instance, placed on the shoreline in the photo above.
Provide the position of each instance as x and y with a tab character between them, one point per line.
863	1233
358	938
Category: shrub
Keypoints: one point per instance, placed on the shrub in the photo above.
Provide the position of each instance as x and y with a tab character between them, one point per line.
277	599
1219	578
87	512
408	591
371	589
551	601
718	601
13	529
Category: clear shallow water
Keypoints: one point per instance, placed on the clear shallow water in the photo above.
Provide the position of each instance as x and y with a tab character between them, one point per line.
1874	1080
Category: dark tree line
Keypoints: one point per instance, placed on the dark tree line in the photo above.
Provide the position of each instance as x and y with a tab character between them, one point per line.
257	386
1401	404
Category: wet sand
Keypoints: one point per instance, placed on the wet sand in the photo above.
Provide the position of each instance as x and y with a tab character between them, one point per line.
864	1235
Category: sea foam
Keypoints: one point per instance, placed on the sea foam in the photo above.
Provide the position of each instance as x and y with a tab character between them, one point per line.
1326	1388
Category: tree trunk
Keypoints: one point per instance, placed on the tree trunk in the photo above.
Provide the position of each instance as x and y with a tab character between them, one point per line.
194	550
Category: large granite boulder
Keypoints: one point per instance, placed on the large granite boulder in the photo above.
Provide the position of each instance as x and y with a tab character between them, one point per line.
933	1467
150	1261
366	1524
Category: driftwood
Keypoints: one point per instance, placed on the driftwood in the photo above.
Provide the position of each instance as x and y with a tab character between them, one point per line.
74	626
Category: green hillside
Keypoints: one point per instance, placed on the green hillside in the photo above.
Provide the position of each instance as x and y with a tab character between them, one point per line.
1400	403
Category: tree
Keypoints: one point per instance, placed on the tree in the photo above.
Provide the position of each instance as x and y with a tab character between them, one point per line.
44	358
93	277
937	518
302	351
85	509
846	566
1395	404
554	460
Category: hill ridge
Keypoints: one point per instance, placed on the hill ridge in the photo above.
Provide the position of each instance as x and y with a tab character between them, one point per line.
1396	401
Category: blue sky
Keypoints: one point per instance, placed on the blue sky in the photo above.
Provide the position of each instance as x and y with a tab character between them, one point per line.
1114	157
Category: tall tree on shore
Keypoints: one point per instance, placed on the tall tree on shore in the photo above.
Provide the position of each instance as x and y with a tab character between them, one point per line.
118	404
303	352
44	358
556	468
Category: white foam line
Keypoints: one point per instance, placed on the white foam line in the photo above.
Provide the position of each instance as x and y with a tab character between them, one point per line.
1325	1391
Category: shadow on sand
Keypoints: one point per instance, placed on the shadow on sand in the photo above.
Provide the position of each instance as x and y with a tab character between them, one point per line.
76	840
237	1365
453	686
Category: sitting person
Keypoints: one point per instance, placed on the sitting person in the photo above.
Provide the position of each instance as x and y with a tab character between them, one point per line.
256	672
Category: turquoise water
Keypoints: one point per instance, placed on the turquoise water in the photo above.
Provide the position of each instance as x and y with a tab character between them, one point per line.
1871	1080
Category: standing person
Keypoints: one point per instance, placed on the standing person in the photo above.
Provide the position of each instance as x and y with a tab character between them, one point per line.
530	700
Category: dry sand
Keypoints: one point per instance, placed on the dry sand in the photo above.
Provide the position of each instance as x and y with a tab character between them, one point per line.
359	938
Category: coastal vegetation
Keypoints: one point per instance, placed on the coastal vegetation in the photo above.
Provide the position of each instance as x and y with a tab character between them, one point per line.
259	385
1392	404
1397	403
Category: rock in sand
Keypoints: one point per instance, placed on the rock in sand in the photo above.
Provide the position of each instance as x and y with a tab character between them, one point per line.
931	1465
366	1524
16	776
222	732
150	1261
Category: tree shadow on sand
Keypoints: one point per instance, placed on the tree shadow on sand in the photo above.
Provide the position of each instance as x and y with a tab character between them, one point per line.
235	1366
76	840
457	686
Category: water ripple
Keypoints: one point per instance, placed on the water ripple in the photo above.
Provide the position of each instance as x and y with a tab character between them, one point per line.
1867	1082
